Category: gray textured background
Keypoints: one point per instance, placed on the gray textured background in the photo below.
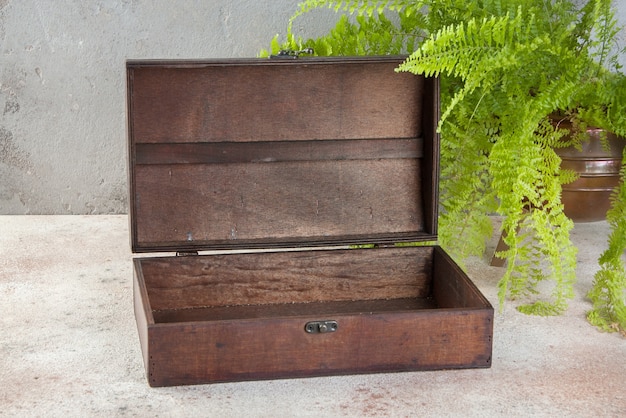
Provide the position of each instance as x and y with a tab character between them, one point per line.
62	85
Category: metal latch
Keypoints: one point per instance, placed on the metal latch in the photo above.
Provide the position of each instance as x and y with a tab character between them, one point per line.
186	253
290	54
321	327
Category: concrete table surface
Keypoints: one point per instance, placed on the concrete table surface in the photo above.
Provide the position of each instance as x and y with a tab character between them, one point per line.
69	346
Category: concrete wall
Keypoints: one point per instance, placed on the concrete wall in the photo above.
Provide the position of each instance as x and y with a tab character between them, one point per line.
62	86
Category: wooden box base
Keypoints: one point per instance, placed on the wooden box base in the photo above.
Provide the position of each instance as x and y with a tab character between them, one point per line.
232	317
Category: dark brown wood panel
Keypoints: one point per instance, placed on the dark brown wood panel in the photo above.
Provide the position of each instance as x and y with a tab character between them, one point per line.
282	310
143	311
224	205
430	172
201	352
306	100
265	152
287	277
330	151
451	286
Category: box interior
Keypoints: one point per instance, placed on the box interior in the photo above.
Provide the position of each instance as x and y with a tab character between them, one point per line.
303	283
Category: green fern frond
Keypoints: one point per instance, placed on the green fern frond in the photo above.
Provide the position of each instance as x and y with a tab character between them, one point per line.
353	7
543	308
608	293
365	35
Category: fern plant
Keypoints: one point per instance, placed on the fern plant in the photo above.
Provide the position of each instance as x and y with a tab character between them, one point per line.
524	65
506	66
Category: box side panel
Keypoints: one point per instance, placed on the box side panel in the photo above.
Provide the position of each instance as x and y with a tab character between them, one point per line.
194	353
452	288
288	277
431	150
143	311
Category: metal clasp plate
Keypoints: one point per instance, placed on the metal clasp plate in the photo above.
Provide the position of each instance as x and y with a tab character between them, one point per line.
321	327
290	54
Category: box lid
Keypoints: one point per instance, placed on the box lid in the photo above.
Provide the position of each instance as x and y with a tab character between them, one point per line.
249	153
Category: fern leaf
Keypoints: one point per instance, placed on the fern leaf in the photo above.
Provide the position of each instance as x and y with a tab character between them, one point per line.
608	293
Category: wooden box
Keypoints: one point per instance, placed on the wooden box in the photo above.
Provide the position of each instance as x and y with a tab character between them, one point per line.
261	175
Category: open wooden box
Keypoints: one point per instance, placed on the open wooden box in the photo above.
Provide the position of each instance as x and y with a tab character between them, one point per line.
288	162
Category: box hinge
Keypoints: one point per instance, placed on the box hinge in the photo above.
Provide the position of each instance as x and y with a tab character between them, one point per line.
186	253
290	54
